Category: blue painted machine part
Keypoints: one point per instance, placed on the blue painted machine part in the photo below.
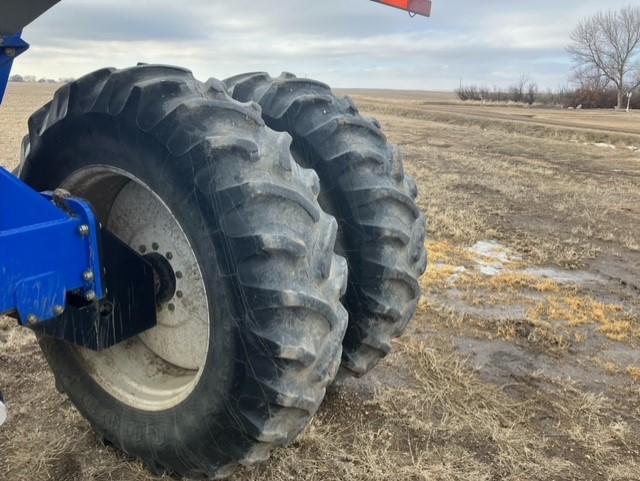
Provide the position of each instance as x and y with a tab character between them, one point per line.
10	47
49	245
53	273
127	309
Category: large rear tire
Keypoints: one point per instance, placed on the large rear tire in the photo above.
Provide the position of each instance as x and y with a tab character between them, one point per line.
250	335
381	230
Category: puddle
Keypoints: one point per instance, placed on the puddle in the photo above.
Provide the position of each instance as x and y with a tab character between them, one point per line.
494	255
574	328
501	361
564	277
493	269
504	311
493	286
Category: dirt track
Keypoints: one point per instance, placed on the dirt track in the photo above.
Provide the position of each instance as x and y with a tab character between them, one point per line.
630	126
415	104
523	361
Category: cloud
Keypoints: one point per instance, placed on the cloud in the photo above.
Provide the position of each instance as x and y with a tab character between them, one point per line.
347	43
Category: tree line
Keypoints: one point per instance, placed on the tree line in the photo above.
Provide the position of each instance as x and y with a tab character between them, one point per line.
42	80
605	51
561	97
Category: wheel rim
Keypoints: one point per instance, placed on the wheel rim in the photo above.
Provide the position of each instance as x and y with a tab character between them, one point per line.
159	368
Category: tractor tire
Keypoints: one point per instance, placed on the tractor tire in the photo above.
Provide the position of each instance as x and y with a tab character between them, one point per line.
363	184
251	337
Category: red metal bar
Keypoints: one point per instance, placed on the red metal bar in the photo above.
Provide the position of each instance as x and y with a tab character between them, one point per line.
421	7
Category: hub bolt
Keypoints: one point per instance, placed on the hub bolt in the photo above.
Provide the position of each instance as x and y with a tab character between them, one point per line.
32	319
90	295
88	275
58	310
83	230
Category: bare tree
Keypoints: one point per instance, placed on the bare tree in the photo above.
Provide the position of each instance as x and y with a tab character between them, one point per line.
532	92
606	49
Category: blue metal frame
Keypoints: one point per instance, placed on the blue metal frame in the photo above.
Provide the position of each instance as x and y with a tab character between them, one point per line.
10	47
49	245
52	270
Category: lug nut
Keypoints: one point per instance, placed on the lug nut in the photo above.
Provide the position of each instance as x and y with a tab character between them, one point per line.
172	307
88	275
90	295
155	246
142	249
179	274
179	294
58	310
10	52
32	319
83	230
169	255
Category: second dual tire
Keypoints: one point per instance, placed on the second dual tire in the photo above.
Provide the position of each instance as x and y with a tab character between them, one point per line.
363	184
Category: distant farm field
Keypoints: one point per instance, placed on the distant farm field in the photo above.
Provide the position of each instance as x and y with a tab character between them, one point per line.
523	361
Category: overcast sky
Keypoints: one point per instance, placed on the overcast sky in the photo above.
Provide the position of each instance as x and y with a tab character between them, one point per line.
346	43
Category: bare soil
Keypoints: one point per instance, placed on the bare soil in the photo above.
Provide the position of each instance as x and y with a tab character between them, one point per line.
522	362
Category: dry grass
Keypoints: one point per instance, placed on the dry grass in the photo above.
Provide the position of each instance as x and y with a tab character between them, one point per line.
21	100
511	376
634	372
445	423
614	322
501	178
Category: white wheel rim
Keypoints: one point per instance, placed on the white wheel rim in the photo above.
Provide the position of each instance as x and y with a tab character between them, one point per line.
3	413
159	368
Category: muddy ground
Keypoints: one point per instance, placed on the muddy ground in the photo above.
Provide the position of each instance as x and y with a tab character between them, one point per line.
522	362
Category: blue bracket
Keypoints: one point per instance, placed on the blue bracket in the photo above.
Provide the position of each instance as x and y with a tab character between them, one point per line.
49	245
10	47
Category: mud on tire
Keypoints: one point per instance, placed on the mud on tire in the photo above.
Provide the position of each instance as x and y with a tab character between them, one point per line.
262	243
381	230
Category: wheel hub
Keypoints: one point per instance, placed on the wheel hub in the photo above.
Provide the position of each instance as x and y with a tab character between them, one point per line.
164	277
160	367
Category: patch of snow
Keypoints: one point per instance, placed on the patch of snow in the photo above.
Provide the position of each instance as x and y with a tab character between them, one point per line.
605	145
493	250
